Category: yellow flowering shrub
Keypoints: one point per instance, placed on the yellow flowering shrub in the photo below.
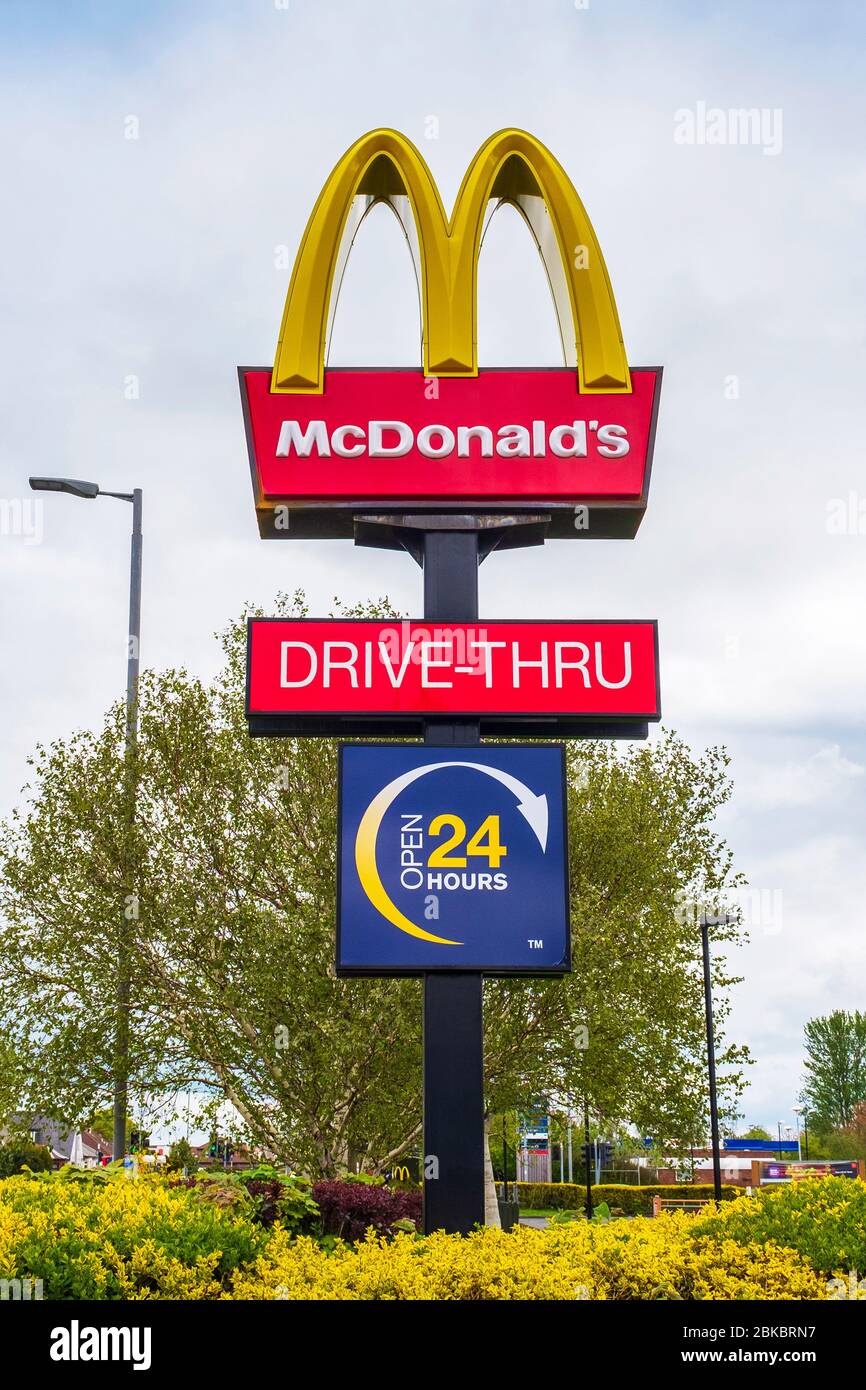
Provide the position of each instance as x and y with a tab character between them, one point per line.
823	1218
97	1238
638	1259
129	1239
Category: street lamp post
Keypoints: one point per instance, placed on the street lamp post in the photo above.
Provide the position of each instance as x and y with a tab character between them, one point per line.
798	1111
76	487
706	922
806	1134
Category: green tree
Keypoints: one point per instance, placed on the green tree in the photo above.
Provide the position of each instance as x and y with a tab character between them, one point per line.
835	1069
850	1141
181	1157
232	980
756	1132
102	1122
18	1154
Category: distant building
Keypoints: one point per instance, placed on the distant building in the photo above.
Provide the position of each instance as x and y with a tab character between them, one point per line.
85	1147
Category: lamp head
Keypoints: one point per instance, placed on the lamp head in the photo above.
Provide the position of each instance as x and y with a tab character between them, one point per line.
76	486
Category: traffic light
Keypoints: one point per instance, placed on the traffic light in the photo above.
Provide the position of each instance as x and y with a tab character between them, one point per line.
587	1154
605	1153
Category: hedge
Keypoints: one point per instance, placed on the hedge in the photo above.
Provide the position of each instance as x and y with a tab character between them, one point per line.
91	1237
634	1201
95	1236
18	1154
824	1220
623	1260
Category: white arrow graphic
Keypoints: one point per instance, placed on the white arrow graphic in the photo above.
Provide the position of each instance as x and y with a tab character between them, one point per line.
532	807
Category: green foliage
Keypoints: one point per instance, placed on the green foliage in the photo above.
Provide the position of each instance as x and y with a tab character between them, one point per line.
181	1157
18	1154
835	1068
823	1218
625	1032
291	1194
232	985
223	1190
102	1121
104	1238
632	1201
297	1211
850	1140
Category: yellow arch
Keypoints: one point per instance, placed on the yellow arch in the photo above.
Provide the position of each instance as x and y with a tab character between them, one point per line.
368	871
511	167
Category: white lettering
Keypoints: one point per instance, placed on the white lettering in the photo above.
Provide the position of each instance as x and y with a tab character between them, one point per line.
425	445
339	445
562	665
576	448
541	664
484	435
329	664
614	685
486	647
378	449
613	442
513	441
287	684
427	661
292	438
386	662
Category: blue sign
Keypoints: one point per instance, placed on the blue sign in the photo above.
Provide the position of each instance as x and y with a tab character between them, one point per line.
776	1146
452	859
534	1127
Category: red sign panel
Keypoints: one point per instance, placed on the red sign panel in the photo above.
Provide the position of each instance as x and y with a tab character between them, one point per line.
494	670
392	439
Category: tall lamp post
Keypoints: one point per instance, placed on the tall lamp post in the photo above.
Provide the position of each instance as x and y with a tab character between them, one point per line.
706	921
798	1111
78	488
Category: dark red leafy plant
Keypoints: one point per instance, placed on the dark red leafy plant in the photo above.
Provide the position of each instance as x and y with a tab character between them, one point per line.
349	1208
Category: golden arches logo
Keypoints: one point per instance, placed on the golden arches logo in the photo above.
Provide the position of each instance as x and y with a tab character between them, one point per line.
510	167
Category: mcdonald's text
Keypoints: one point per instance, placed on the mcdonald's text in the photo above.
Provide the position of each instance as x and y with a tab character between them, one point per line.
501	437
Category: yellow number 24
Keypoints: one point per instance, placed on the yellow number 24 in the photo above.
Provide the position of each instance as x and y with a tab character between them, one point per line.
484	843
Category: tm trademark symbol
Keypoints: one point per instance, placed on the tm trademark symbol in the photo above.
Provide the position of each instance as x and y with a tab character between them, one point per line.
534	943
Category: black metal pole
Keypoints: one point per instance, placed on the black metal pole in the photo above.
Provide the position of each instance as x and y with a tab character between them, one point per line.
121	1041
711	1063
504	1163
588	1161
453	1025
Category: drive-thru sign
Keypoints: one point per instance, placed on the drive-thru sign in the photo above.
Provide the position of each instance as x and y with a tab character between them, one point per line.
452	856
334	675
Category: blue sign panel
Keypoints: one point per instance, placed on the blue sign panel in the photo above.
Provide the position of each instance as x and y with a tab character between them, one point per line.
452	859
775	1146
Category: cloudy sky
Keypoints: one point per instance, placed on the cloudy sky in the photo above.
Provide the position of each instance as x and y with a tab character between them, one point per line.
148	267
